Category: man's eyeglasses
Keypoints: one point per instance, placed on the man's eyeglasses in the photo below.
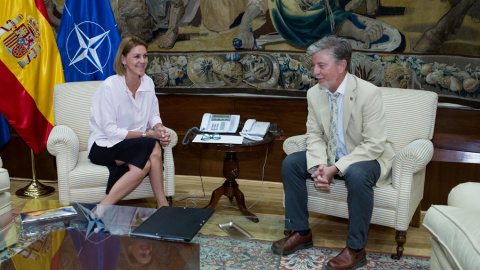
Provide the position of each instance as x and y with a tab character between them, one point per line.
206	137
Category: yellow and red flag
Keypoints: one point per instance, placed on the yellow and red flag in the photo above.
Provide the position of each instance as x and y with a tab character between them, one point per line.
30	66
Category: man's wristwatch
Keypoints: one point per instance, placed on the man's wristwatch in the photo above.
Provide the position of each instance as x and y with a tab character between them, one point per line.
144	134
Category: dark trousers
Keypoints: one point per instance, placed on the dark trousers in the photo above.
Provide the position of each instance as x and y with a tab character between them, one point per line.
360	179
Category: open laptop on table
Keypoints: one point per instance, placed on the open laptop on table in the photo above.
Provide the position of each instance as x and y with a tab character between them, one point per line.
173	223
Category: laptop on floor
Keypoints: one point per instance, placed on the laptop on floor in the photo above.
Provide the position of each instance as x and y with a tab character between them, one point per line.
173	223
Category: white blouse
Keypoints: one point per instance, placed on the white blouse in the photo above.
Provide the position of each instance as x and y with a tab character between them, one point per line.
114	111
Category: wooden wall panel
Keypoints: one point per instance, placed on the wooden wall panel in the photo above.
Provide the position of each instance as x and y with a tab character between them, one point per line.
441	177
181	112
457	154
289	114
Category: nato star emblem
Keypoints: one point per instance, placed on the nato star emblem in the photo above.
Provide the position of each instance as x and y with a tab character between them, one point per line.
95	48
95	224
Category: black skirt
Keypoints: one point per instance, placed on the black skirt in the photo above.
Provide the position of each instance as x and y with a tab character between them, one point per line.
135	151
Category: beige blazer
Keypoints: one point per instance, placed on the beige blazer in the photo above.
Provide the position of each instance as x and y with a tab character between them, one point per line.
364	127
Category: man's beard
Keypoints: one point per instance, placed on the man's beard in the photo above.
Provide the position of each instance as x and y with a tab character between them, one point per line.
327	84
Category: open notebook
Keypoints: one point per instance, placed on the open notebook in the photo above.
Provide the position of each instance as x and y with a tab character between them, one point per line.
173	223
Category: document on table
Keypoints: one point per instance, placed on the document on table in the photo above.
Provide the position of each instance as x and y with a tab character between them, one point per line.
227	139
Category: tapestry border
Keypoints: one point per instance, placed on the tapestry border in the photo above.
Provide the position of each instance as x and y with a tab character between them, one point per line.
289	74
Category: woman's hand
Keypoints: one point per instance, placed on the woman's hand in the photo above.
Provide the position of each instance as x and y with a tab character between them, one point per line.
161	134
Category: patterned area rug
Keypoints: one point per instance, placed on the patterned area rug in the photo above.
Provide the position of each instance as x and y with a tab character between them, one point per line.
226	253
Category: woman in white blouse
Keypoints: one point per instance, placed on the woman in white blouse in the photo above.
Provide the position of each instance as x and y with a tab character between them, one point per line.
126	128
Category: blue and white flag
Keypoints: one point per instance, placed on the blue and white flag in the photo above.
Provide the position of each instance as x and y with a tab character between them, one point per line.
88	40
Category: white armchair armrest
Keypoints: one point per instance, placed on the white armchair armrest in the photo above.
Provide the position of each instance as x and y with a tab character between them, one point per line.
294	144
63	143
411	159
466	196
408	178
173	138
168	164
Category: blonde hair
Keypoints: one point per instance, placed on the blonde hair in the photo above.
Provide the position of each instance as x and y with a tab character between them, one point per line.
124	48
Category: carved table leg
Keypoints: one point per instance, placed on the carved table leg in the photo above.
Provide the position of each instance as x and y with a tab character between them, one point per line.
230	187
241	205
401	238
216	194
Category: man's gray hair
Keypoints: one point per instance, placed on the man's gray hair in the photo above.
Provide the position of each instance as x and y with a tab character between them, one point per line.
338	47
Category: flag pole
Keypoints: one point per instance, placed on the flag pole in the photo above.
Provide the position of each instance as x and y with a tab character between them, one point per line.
35	189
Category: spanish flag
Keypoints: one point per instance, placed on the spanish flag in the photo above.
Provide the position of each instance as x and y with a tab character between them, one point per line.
30	66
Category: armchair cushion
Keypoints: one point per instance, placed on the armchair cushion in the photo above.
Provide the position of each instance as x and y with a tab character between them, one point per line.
392	205
465	196
334	202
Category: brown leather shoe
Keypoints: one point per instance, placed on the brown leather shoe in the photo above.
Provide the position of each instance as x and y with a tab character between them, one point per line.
292	243
348	259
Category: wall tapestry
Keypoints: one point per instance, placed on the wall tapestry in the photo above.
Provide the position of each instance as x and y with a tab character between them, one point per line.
256	46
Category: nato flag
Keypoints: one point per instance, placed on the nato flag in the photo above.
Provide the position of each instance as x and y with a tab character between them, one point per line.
88	40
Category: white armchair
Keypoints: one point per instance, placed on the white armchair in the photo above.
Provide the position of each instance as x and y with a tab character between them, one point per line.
410	121
455	229
79	179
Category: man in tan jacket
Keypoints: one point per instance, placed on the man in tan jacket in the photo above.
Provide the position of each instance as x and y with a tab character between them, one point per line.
351	145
